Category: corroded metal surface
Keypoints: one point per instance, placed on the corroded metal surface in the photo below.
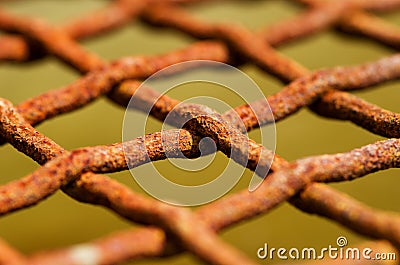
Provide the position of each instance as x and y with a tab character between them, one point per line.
170	229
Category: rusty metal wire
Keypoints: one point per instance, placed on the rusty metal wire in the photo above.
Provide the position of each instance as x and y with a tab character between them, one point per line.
170	229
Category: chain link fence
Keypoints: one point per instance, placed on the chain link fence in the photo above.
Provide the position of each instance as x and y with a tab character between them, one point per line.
169	230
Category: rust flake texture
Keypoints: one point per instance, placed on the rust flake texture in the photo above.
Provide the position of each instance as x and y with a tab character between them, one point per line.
167	229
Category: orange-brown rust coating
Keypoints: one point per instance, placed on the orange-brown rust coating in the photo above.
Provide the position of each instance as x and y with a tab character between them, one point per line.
205	122
216	52
318	17
117	13
243	41
293	182
286	101
340	105
377	5
283	184
313	86
350	213
13	48
290	181
68	166
372	5
9	255
55	40
371	26
114	15
99	82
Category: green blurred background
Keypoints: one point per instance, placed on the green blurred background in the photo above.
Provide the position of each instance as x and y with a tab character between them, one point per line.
60	221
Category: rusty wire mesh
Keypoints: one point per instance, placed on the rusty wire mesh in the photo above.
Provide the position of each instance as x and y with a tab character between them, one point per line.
168	229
